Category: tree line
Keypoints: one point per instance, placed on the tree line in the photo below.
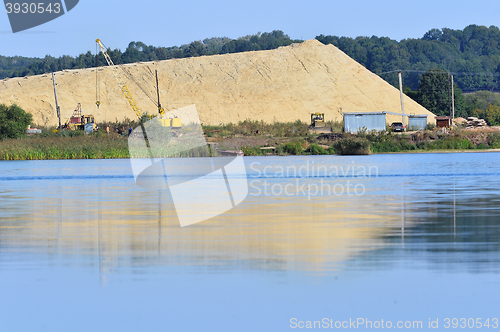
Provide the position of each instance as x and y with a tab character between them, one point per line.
140	52
473	54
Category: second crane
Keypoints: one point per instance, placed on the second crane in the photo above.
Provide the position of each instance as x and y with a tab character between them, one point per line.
174	123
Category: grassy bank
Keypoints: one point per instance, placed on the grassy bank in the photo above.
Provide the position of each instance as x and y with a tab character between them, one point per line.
431	141
382	142
254	138
73	145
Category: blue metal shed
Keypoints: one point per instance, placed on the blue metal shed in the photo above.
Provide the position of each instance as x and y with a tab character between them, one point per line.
417	122
353	122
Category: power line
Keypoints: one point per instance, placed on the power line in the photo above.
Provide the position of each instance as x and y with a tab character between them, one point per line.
442	72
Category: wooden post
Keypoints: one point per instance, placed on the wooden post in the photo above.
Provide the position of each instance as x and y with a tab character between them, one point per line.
401	94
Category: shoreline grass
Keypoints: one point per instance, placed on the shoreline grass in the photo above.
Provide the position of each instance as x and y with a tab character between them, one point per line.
292	138
50	148
425	141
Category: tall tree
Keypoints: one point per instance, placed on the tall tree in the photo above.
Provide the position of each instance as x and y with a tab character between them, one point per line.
13	121
434	93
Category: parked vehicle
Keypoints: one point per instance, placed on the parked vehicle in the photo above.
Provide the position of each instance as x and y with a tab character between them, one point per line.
397	126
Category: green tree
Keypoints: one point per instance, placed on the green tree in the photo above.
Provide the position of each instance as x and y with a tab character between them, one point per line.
433	34
434	93
492	115
480	100
196	48
13	121
460	105
410	93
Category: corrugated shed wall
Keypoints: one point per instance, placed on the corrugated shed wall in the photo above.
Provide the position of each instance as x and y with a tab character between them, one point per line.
371	121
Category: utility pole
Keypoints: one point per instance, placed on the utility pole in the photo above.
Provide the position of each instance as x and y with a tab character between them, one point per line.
401	94
452	100
158	92
449	92
57	104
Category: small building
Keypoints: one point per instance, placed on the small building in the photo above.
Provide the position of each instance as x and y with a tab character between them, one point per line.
354	122
417	121
443	121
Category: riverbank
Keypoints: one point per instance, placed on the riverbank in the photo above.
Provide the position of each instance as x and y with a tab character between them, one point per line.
65	147
432	140
443	151
256	139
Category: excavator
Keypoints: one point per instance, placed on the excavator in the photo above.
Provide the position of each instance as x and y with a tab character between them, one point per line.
165	122
78	120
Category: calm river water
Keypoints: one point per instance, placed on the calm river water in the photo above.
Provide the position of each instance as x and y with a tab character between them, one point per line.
381	241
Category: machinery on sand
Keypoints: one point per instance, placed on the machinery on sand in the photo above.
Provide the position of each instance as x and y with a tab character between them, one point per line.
165	122
80	121
317	120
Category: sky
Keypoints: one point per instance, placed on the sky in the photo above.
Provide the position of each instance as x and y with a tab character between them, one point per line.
173	23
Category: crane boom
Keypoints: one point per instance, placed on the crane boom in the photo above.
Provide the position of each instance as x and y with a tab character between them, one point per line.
120	80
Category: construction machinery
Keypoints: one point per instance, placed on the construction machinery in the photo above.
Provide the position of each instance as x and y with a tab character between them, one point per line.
317	120
58	109
80	121
165	122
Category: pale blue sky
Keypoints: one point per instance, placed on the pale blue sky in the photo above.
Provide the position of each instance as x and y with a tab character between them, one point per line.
170	23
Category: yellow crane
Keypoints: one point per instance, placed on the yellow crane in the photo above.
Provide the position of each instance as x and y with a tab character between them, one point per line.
174	123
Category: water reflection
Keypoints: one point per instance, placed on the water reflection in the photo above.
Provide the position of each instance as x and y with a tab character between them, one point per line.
421	243
109	223
137	227
458	235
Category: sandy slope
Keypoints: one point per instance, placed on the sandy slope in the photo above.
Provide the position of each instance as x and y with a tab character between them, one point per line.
285	84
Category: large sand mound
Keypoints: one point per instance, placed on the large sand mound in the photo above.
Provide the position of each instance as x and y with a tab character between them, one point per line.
281	85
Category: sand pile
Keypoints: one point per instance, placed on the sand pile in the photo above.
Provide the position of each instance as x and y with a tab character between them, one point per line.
282	85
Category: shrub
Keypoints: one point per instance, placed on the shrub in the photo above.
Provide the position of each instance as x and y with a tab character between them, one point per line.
430	126
293	148
252	151
494	140
352	146
13	121
315	149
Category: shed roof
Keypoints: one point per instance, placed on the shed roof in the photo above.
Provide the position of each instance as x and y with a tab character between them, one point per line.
364	113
